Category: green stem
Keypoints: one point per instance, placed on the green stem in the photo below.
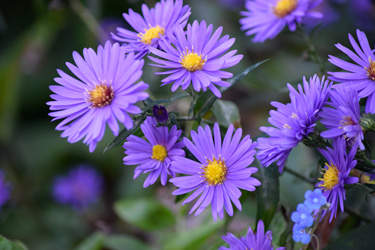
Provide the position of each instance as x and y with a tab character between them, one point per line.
298	175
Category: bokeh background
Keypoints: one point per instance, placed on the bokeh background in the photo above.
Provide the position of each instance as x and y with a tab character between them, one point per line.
38	36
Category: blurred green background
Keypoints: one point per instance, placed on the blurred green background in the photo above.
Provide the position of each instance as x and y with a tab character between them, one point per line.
38	36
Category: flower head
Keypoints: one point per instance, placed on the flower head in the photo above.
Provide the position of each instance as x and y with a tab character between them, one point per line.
196	58
81	187
267	18
155	155
293	121
344	116
361	73
336	174
259	240
222	169
303	215
160	113
5	189
103	92
155	24
300	234
315	199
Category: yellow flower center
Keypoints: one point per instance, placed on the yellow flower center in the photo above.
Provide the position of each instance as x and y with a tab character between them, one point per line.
330	177
371	69
192	61
284	7
151	33
215	171
101	96
159	152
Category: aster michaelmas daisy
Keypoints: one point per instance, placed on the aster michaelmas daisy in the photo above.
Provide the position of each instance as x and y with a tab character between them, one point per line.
222	169
267	18
5	189
336	174
258	241
344	117
156	155
293	122
156	23
104	91
197	57
361	73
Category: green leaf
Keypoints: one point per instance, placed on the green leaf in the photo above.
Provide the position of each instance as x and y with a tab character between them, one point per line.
93	242
207	99
120	242
359	238
6	244
194	238
267	193
146	214
125	134
226	112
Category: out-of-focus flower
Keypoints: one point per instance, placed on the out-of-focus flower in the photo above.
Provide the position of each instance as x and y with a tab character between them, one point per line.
336	174
315	199
160	113
267	18
155	24
81	187
104	91
156	155
344	117
303	215
293	122
5	189
300	234
257	241
223	169
361	73
196	58
232	4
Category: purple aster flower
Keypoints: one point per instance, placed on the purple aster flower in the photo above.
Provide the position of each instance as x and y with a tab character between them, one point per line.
156	23
103	92
293	122
267	18
258	241
303	215
300	234
336	174
197	57
81	187
361	73
160	113
344	116
222	169
156	155
5	189
315	199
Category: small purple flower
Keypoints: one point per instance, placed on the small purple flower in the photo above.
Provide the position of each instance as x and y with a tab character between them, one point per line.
160	113
5	189
303	216
223	169
344	116
361	73
315	199
300	234
156	155
81	187
267	18
336	174
293	122
196	57
103	92
155	24
258	241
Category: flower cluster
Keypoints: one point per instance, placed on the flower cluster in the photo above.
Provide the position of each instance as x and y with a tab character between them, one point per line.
306	214
5	189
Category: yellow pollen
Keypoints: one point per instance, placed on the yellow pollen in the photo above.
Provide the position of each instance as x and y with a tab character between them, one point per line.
371	69
287	126
159	152
346	121
294	115
151	33
215	171
192	61
330	177
101	96
284	7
